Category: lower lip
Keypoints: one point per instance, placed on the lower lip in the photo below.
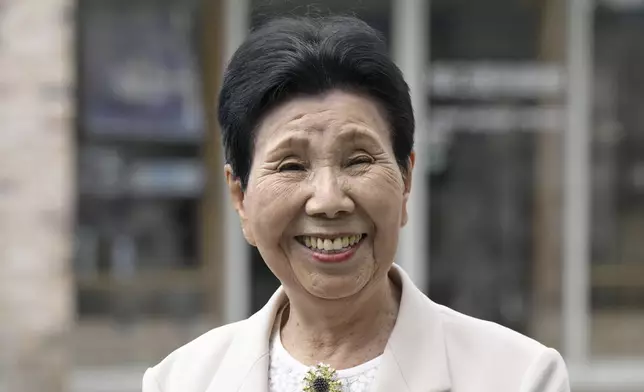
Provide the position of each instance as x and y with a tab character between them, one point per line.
335	257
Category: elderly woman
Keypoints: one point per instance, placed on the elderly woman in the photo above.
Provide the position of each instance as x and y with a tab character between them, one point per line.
318	131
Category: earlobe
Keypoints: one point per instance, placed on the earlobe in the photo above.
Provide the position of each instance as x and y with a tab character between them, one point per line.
404	216
407	179
237	200
235	190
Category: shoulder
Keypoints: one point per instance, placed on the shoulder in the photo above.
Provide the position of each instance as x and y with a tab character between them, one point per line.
468	332
194	362
482	351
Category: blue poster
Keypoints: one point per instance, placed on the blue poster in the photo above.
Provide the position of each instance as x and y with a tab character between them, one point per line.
139	70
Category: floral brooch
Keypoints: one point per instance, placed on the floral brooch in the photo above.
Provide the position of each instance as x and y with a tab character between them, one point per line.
322	378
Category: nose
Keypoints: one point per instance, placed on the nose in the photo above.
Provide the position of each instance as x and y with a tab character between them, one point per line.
328	198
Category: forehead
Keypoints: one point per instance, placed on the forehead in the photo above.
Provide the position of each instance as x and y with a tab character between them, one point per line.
313	114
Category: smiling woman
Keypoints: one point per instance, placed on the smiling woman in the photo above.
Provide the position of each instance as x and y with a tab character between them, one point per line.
318	131
324	169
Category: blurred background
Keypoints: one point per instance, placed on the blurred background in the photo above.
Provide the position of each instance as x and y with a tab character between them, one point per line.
117	244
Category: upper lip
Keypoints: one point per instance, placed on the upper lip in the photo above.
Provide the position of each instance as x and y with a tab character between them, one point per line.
329	235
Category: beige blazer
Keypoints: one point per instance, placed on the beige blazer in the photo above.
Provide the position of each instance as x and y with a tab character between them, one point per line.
432	348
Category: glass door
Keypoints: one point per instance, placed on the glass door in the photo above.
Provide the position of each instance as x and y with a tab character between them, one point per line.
603	197
143	286
609	348
617	252
496	109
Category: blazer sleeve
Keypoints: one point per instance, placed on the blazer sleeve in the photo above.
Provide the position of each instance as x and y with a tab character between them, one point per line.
150	383
548	373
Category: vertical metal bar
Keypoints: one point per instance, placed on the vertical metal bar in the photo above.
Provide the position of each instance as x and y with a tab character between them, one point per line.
237	282
411	52
576	252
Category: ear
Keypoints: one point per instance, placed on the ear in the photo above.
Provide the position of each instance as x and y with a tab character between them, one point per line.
237	199
407	180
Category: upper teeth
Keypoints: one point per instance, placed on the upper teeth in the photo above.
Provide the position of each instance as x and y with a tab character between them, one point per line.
331	243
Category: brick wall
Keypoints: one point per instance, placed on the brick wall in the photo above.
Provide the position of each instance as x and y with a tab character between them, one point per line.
36	192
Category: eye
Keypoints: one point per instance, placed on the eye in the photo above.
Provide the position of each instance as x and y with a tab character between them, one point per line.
291	166
361	160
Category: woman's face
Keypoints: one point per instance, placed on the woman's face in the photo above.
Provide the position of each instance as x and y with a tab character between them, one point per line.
325	198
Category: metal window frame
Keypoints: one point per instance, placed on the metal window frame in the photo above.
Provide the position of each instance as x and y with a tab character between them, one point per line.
237	271
576	186
410	38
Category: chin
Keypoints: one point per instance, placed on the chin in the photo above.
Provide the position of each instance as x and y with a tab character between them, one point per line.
333	287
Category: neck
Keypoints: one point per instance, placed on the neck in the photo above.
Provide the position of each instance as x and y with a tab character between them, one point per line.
342	333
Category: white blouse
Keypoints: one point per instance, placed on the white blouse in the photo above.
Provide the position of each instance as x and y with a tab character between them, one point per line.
286	374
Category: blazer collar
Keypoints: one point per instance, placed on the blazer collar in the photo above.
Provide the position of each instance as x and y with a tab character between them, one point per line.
245	365
414	360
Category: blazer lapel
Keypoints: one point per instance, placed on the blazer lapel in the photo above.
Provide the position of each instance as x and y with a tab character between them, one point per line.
415	359
245	365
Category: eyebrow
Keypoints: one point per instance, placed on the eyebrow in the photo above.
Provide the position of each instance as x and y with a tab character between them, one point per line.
355	134
290	142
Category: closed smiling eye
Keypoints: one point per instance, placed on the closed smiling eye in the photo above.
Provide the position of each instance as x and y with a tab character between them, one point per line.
361	160
291	166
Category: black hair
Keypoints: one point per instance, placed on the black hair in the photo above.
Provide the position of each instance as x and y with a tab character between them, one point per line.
290	57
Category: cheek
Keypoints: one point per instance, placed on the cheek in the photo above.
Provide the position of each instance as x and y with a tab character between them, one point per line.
381	197
272	205
387	216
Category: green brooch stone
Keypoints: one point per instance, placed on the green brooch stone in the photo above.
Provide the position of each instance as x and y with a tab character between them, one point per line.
322	378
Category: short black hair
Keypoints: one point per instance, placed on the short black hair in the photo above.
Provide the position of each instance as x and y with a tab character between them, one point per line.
303	56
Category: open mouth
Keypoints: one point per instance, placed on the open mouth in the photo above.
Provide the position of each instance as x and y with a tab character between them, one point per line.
331	245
